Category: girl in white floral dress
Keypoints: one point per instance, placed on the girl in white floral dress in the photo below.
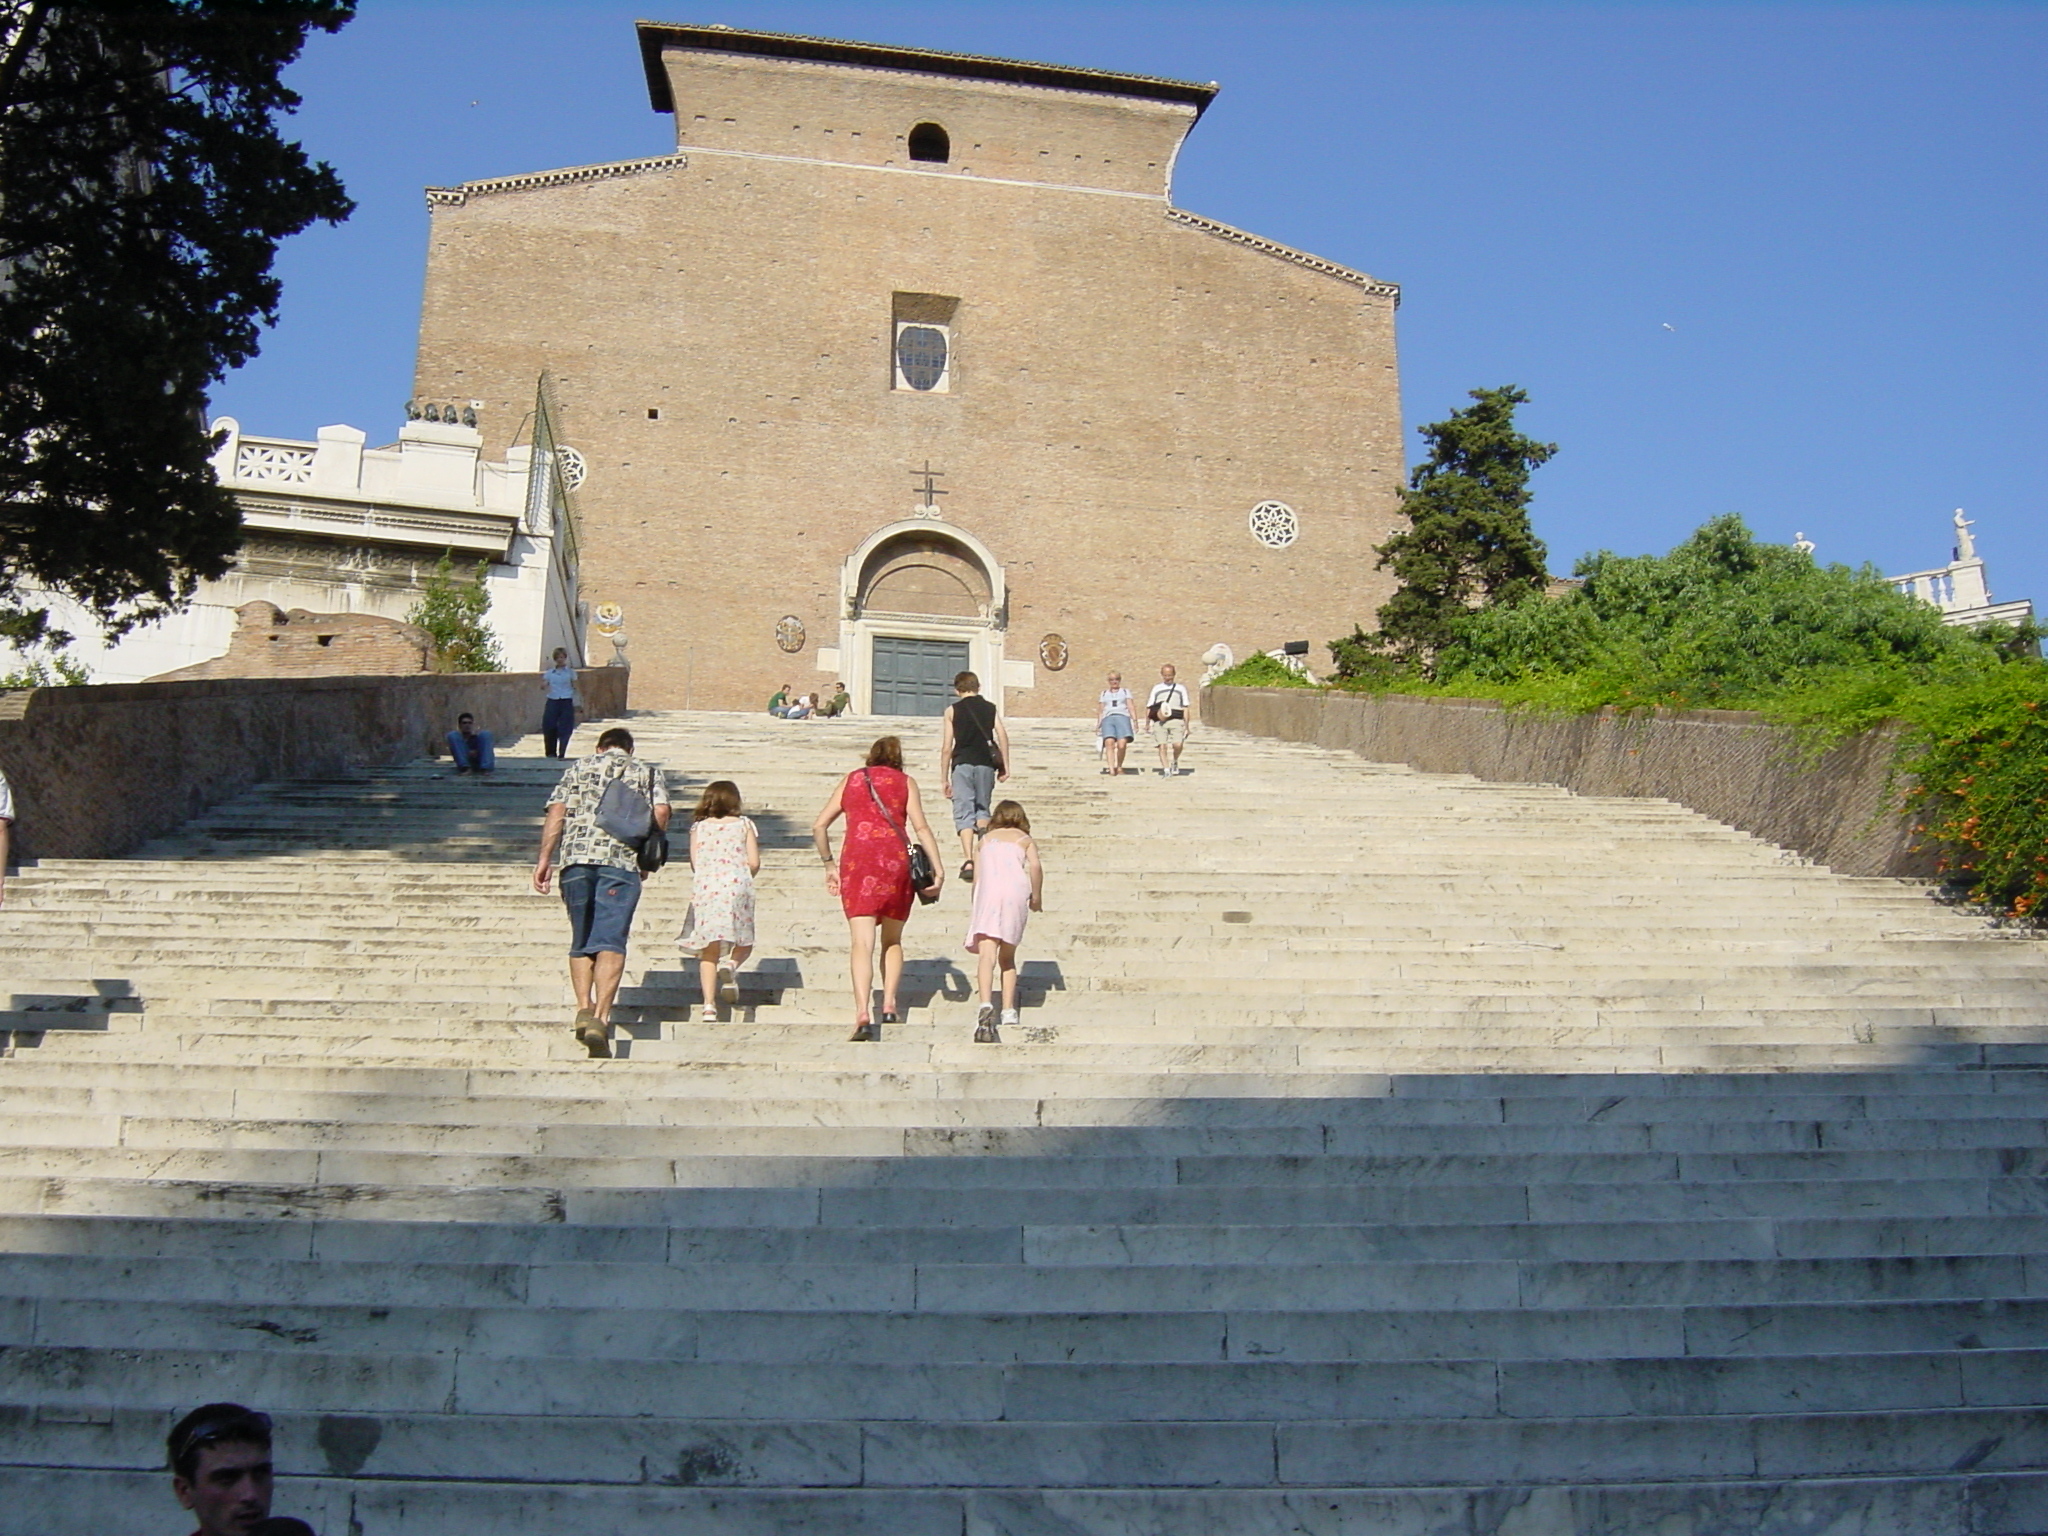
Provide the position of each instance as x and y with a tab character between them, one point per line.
725	855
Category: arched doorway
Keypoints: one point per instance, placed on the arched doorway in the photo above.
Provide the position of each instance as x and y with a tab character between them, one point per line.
923	601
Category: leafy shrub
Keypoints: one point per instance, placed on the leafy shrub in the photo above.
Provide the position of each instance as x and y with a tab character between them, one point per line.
452	611
1262	671
1980	754
58	671
1721	621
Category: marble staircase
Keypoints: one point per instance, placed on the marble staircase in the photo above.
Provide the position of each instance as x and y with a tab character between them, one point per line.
1380	1152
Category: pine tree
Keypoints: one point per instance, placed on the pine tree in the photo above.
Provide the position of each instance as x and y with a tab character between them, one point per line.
144	187
1468	543
452	609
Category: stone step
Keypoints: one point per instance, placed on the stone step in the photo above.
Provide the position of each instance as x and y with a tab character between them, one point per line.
1931	1115
1777	1504
536	1450
369	1239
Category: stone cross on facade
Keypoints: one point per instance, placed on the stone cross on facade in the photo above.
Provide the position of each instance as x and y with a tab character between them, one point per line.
929	506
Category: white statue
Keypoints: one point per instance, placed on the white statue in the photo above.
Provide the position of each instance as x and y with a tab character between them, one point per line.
1966	546
1802	543
1217	660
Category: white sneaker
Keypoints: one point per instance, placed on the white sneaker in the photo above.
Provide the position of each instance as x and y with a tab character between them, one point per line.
1009	1017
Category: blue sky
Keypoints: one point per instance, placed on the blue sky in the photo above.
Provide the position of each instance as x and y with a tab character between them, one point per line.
1784	260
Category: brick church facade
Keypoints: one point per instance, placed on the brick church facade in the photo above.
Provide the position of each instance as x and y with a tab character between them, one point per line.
1145	432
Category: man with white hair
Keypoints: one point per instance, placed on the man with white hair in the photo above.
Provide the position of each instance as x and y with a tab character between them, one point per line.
1169	715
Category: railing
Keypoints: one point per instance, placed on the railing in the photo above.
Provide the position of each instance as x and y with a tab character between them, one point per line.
273	461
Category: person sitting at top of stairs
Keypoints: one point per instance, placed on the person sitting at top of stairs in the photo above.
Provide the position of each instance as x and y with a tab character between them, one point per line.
474	751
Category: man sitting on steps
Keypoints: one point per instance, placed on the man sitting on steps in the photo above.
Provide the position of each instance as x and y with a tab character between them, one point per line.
474	751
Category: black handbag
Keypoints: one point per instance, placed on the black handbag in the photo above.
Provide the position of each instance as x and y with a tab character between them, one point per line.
653	851
923	878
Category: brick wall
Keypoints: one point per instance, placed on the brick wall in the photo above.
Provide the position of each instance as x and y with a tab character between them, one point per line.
97	771
1126	385
268	642
1732	766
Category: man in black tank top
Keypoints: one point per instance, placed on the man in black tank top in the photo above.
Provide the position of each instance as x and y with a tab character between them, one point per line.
974	754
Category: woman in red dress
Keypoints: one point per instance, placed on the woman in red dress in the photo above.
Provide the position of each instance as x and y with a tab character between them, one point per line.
872	874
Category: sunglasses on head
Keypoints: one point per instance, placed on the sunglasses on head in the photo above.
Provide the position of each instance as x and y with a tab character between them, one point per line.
234	1426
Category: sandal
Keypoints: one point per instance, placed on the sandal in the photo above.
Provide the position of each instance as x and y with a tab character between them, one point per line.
708	1016
728	985
864	1033
889	1016
967	873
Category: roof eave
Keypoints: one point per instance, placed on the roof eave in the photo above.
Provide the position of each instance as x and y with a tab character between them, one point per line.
656	36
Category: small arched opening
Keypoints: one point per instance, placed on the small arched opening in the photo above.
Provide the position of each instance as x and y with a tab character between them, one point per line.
929	144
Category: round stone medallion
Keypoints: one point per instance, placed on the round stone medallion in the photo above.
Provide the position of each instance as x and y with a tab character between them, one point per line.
1052	650
789	633
1274	524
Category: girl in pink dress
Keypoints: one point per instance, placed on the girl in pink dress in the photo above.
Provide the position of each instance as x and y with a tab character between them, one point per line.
725	855
1009	884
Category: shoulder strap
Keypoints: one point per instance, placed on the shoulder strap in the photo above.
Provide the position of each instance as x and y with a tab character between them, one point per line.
867	776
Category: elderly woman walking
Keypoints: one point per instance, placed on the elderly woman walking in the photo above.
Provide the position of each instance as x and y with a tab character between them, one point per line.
871	876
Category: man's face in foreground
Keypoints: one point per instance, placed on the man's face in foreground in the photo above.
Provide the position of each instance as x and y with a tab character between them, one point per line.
229	1490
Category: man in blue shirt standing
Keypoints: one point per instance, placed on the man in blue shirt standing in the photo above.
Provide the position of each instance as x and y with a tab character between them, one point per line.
558	715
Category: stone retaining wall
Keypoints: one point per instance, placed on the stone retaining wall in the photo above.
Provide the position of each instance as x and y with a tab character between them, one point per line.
97	771
1732	766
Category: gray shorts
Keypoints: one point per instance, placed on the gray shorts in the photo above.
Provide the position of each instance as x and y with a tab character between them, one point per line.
974	789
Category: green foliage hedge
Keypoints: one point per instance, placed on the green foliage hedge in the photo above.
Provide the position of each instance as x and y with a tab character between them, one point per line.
1724	622
1262	671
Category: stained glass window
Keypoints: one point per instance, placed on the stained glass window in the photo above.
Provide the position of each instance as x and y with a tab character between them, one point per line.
921	356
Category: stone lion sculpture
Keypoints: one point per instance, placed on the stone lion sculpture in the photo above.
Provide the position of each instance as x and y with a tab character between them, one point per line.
1217	660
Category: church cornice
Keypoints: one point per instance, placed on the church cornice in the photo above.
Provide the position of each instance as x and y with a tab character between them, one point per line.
1286	253
455	197
656	36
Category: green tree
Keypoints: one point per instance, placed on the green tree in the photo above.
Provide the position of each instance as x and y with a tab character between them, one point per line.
54	671
1468	542
451	609
144	188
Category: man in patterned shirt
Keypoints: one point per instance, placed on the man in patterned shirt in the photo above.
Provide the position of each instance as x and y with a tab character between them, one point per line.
600	877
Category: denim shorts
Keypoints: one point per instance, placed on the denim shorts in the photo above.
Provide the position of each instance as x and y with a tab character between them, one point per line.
1115	728
600	900
974	786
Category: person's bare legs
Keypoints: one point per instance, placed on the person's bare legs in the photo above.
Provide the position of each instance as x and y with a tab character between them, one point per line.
861	962
1116	745
967	837
607	969
580	972
985	968
1006	956
892	962
707	975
